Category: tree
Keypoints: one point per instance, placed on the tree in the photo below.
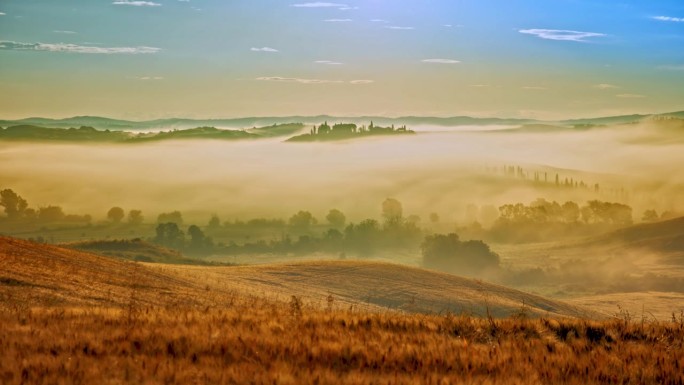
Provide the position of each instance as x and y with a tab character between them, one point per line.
302	220
199	243
650	216
135	217
174	217
13	204
392	211
115	214
434	217
170	235
214	222
50	214
571	212
449	253
336	218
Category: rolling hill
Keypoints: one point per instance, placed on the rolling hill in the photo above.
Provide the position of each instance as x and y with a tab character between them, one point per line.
42	275
37	274
182	123
378	286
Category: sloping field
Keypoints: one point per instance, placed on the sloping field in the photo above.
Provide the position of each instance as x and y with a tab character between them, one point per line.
372	285
42	275
648	306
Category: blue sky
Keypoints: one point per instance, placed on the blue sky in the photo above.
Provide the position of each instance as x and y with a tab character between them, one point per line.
207	58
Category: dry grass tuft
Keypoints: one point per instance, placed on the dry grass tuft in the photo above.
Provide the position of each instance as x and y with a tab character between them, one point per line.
254	341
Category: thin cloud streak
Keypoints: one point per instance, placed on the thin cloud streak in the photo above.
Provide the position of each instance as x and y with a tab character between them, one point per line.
319	4
561	34
328	62
310	81
441	61
137	3
669	18
263	49
74	48
630	96
605	86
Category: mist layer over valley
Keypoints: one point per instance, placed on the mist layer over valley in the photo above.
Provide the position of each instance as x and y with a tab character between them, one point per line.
430	172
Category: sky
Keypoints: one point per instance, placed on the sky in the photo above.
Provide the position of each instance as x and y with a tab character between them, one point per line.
236	58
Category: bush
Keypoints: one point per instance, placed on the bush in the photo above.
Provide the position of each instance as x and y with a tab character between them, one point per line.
449	253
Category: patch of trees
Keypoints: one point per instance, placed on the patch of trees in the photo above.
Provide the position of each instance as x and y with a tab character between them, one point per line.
17	209
364	238
193	242
449	253
347	130
542	219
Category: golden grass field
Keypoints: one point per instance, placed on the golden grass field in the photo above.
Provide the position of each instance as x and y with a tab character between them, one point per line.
69	317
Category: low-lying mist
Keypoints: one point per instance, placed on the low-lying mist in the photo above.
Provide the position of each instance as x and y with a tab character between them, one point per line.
428	172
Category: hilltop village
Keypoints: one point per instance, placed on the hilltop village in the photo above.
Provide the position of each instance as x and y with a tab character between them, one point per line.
341	131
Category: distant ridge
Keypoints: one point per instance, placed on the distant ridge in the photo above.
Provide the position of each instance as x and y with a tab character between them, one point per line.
249	122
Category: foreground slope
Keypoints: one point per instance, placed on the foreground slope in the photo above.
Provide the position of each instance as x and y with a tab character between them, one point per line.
42	275
374	285
37	274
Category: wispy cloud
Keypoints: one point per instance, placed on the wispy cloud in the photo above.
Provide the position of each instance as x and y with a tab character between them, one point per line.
398	27
328	62
2	14
263	49
297	80
630	96
561	34
338	20
378	21
605	86
74	48
348	8
137	3
65	32
669	18
150	78
310	81
480	85
441	61
533	88
319	4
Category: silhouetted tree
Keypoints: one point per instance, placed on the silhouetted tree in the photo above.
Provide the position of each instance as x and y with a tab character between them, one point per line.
170	235
302	220
434	217
199	243
115	214
650	216
392	211
13	204
174	217
51	214
364	237
571	212
214	222
135	217
336	218
448	252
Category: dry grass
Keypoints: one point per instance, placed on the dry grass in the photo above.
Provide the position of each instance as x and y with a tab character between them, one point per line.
253	341
76	318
